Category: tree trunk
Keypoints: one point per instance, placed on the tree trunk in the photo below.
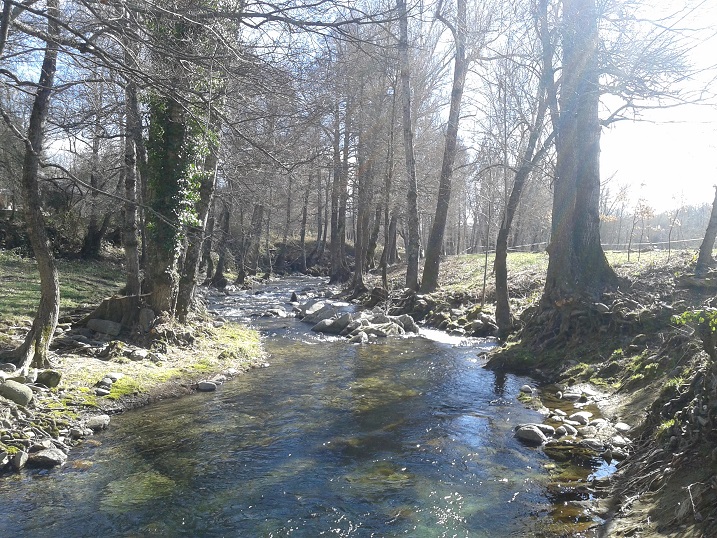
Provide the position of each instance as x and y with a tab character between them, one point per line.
373	240
302	232
206	266
168	165
253	240
196	234
339	270
705	260
413	245
34	350
218	279
577	267
502	309
434	246
92	243
281	258
133	132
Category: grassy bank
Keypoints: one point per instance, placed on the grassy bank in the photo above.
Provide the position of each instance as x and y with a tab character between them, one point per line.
153	367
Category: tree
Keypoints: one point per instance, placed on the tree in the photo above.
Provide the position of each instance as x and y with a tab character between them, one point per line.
577	268
460	69
413	244
34	350
704	259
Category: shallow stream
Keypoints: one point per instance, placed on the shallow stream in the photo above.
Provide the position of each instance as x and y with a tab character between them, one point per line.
402	437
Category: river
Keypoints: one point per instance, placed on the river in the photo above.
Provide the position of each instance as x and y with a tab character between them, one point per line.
402	437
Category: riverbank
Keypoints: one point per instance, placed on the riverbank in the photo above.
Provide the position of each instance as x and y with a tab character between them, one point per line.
95	375
645	349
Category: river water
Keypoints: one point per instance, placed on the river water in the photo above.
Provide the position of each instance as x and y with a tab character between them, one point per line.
402	437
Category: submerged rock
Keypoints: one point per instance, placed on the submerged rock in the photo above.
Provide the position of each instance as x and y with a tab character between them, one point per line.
206	386
98	422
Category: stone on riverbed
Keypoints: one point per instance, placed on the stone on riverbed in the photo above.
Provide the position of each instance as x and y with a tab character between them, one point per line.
206	386
530	433
583	417
16	392
19	460
49	457
98	422
622	427
526	389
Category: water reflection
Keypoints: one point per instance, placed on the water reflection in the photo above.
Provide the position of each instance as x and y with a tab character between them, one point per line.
404	437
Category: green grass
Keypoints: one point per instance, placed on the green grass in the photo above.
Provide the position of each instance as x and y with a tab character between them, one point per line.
81	283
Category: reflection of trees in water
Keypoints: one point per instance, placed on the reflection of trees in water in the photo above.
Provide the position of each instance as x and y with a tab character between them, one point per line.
499	383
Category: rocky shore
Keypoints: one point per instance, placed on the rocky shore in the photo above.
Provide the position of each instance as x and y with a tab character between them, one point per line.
96	374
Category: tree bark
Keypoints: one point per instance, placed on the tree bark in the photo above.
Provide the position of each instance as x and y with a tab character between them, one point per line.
34	350
500	264
168	165
196	234
577	267
133	132
705	260
431	264
218	279
413	244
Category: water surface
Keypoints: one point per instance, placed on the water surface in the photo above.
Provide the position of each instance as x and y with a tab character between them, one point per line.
402	437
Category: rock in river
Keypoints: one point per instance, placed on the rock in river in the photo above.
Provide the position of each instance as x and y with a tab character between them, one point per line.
49	457
530	433
98	422
206	386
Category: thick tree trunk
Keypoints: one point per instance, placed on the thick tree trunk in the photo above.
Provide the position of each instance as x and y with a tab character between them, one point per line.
253	240
577	268
373	240
168	163
206	266
339	269
435	239
705	260
365	176
34	350
413	245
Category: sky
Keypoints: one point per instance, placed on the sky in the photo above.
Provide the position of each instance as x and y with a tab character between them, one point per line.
669	161
670	157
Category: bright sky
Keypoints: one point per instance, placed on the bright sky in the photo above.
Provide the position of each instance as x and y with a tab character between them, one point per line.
672	156
665	161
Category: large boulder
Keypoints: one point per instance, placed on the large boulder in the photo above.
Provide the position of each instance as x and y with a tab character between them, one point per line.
16	392
104	326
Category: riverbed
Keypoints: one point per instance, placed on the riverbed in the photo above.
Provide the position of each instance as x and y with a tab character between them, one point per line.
405	436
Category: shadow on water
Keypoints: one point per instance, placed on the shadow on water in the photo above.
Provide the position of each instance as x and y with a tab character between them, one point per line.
403	437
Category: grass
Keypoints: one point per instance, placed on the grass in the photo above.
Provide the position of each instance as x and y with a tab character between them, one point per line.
81	284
